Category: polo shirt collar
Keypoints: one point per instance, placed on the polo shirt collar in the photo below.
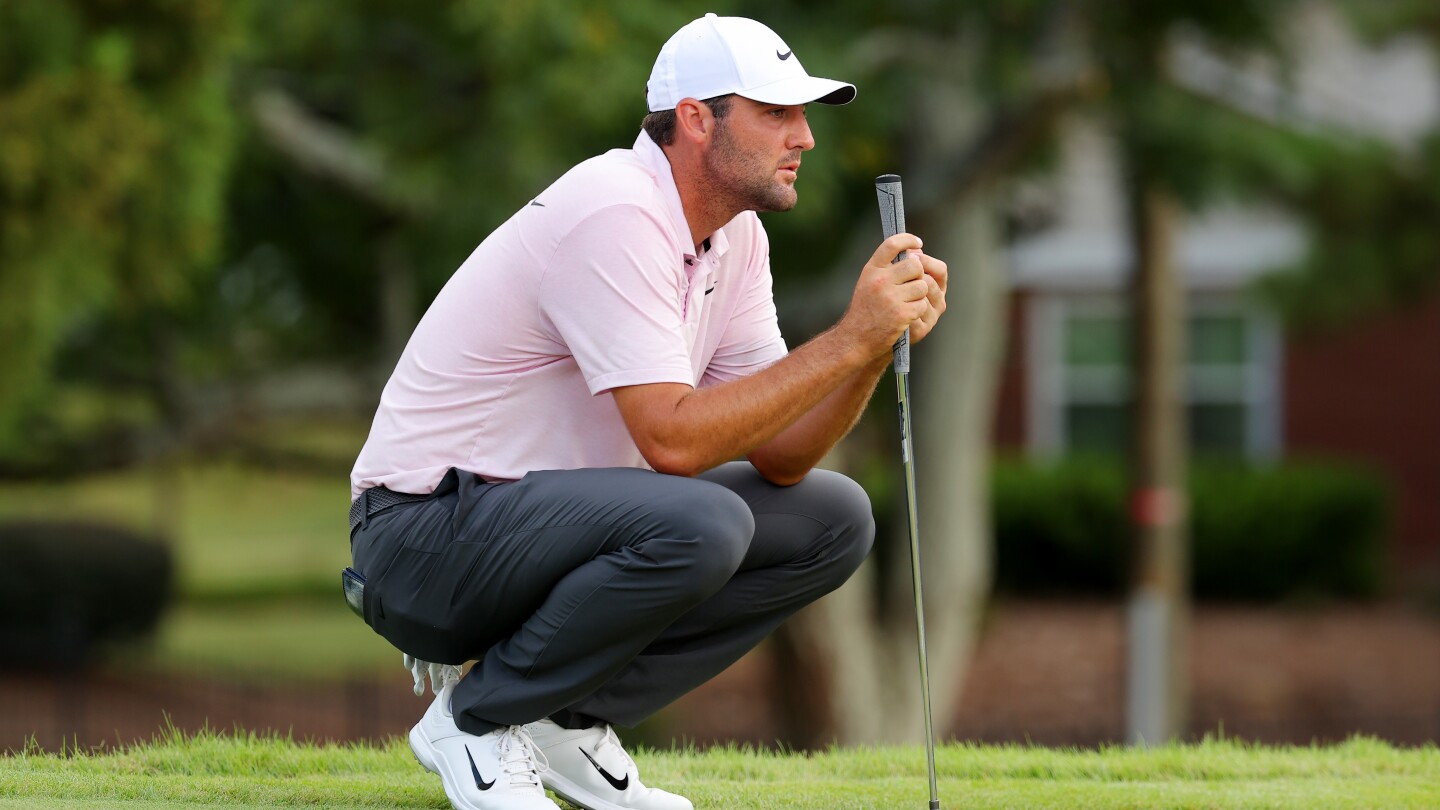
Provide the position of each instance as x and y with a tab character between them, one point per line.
654	159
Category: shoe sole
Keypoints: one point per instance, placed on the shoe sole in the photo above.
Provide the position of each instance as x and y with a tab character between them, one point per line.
572	793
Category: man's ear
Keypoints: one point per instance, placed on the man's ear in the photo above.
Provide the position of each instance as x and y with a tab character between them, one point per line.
694	121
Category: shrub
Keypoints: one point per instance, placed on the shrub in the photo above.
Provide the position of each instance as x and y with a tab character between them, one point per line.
66	589
1255	532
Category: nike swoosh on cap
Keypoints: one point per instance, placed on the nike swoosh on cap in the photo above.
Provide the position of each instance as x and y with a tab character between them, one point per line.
618	784
785	55
481	783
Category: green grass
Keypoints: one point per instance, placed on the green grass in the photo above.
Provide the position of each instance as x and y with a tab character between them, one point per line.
236	529
214	771
284	638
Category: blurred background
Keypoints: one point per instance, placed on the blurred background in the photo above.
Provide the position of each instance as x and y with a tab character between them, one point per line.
1178	439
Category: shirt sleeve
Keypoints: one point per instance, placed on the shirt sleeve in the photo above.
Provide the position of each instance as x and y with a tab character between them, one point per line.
613	293
751	340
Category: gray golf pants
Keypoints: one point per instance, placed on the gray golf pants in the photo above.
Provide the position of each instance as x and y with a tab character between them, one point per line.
602	595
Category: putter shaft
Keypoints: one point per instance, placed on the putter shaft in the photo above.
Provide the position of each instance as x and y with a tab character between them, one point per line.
902	382
892	221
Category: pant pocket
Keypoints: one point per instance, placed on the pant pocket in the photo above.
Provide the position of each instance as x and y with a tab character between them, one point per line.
413	607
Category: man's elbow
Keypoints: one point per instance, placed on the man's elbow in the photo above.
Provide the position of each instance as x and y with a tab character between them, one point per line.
671	460
777	473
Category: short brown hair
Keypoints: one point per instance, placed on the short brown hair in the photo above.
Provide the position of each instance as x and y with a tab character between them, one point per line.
660	125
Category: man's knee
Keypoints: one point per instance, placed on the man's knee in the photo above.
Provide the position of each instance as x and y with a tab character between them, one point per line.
715	527
848	513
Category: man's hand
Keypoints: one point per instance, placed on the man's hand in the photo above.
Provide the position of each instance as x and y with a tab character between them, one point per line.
440	674
890	297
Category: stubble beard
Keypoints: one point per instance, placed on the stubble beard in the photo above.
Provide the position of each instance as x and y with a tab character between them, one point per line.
744	178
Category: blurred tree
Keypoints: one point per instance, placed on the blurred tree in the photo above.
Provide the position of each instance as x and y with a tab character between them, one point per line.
115	143
1166	159
417	130
1371	207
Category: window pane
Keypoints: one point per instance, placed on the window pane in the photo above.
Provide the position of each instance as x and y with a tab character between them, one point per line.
1218	339
1097	428
1217	429
1094	340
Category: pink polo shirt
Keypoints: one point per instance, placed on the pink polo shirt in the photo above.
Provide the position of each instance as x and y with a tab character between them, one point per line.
591	286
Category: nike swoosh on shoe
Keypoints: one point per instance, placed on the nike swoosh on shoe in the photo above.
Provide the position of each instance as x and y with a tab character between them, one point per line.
480	782
618	784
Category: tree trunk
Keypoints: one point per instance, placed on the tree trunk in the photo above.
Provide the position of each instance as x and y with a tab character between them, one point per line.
1157	667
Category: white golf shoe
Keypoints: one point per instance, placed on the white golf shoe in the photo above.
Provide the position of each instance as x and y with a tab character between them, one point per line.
589	769
495	771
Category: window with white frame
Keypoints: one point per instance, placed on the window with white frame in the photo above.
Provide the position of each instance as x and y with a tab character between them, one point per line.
1079	376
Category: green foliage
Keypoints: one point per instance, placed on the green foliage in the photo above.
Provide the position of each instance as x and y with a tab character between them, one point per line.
1394	17
115	136
1293	530
1256	533
66	589
473	107
1375	245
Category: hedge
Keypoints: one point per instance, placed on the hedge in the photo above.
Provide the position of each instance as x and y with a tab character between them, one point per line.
68	589
1289	530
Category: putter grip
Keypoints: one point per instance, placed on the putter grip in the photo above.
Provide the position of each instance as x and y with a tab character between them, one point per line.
892	221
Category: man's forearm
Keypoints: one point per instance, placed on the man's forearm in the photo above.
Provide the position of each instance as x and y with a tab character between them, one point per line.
708	427
796	450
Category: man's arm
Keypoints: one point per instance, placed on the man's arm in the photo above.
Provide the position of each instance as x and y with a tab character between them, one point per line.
683	431
798	448
785	459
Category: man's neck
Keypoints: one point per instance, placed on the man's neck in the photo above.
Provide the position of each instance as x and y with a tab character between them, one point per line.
705	211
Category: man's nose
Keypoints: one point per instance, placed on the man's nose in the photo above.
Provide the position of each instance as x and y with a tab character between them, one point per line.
801	137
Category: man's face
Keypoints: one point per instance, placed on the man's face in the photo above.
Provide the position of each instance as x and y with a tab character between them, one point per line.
755	154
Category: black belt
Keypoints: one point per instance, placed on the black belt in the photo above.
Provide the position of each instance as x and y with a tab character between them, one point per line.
375	499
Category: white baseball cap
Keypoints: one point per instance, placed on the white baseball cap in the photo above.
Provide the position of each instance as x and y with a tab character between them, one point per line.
715	56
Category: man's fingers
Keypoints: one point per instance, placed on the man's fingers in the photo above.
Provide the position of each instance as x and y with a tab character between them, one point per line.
894	246
907	269
936	269
915	290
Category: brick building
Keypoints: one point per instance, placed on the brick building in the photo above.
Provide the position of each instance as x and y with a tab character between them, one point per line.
1369	393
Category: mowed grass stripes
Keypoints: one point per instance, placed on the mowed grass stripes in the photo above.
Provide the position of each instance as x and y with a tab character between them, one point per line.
246	771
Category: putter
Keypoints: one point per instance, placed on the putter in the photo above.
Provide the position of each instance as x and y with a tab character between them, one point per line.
892	221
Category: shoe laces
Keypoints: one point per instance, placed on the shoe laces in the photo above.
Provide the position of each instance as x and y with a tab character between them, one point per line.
610	740
520	758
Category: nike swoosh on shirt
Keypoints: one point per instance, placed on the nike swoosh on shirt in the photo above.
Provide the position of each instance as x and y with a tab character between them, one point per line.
712	289
481	783
618	784
784	56
537	203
